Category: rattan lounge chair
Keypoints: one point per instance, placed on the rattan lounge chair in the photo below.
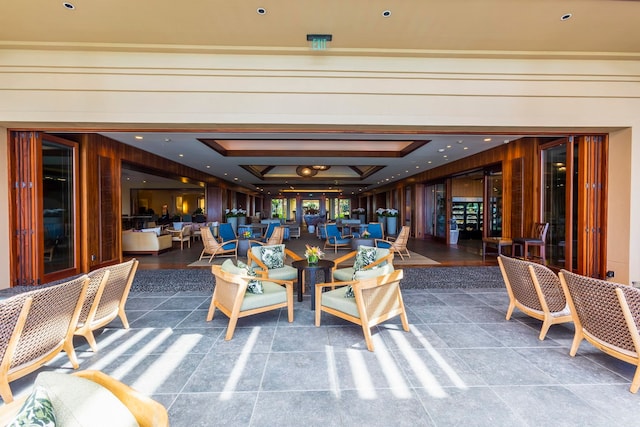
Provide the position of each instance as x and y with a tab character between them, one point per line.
606	314
396	244
536	291
106	298
230	296
213	248
43	330
376	300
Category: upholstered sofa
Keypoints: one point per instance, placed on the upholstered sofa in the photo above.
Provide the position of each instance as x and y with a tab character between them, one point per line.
137	242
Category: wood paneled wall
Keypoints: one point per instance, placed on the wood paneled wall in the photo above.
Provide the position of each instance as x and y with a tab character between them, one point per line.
523	152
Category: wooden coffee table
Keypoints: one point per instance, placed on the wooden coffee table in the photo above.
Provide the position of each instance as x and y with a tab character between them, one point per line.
302	266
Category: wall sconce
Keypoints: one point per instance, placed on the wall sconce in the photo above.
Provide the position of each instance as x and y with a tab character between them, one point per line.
179	203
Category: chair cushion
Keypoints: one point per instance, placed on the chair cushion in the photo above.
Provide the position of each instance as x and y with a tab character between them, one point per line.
79	402
272	256
284	273
273	294
338	300
343	274
37	410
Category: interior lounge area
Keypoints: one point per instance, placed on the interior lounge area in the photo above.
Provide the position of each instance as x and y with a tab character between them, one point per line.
352	214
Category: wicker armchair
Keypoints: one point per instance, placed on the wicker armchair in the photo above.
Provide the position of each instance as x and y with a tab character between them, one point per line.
230	296
536	291
45	328
106	297
607	315
377	299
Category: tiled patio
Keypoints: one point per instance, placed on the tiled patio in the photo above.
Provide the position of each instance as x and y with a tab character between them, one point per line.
461	364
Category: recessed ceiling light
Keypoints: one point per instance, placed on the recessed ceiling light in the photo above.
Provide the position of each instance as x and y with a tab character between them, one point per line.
487	140
465	148
181	155
167	140
386	13
459	141
139	137
440	150
261	11
566	16
429	162
506	141
68	6
208	167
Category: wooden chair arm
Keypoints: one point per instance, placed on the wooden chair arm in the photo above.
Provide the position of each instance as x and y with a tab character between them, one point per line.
335	284
343	258
262	265
146	411
388	258
375	241
293	255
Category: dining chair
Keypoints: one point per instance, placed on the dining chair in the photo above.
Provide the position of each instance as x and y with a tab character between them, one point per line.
538	239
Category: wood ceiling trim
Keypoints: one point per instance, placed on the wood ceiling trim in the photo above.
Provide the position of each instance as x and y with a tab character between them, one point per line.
214	145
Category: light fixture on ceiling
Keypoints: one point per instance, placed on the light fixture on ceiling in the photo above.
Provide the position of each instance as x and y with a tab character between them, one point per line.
566	16
321	167
306	171
261	11
386	13
68	6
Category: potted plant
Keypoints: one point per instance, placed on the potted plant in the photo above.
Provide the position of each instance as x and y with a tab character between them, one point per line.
233	216
392	221
360	214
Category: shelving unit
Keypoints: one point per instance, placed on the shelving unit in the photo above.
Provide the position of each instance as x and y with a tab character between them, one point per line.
468	214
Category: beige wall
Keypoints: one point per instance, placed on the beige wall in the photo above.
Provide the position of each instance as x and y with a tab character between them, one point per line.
112	89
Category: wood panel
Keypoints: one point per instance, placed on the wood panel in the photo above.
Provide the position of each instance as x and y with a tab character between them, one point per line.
108	229
25	242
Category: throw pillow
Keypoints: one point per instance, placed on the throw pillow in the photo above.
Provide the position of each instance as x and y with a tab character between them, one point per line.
365	256
254	286
37	410
272	256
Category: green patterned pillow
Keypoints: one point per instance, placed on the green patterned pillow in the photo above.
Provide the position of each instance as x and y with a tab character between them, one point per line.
272	256
37	410
365	256
254	286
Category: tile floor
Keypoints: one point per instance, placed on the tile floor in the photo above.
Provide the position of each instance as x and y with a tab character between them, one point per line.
461	364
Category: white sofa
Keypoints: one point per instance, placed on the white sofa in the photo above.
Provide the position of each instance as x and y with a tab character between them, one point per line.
136	242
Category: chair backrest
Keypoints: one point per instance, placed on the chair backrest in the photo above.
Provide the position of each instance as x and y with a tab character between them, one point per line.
523	277
376	230
186	231
332	230
270	227
276	236
10	311
380	295
117	288
210	243
519	282
402	239
540	231
322	231
226	232
52	318
598	310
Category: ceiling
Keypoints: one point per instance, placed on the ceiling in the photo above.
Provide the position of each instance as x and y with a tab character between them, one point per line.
358	161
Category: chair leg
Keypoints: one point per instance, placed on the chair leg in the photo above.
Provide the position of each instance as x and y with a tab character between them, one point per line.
636	381
5	391
512	306
123	318
367	337
577	339
71	353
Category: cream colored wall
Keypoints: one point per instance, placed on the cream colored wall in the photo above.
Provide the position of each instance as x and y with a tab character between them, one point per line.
94	89
4	207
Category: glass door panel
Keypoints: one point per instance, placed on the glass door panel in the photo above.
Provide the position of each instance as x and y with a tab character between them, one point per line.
554	209
58	207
